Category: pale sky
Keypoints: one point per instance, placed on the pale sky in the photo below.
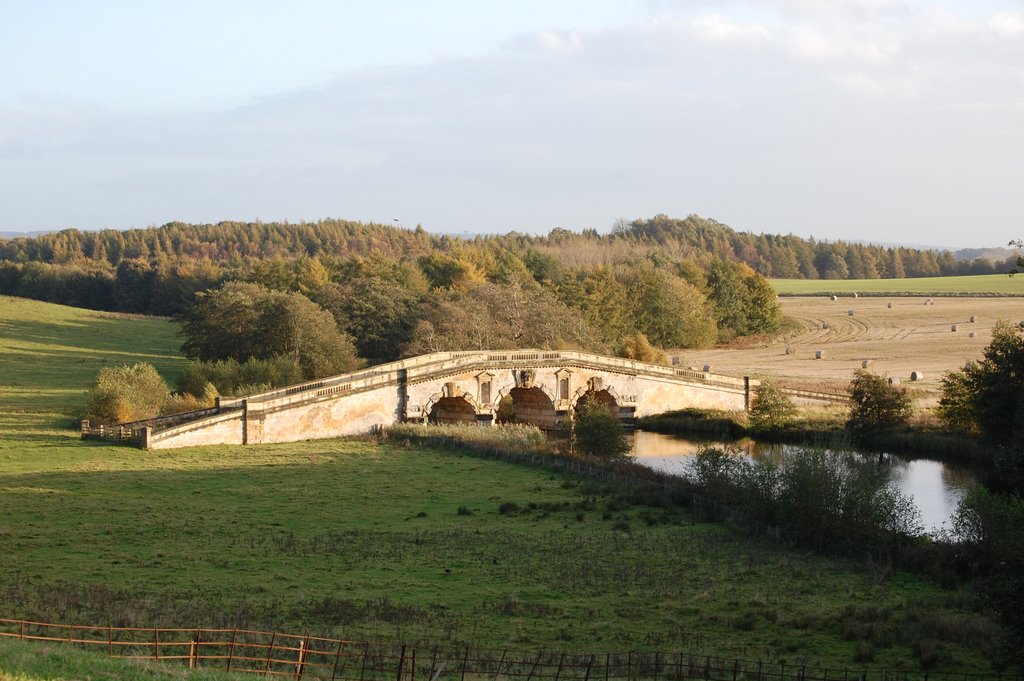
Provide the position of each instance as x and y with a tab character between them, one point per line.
880	120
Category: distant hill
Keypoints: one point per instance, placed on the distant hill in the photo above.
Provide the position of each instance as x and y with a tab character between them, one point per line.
995	254
16	235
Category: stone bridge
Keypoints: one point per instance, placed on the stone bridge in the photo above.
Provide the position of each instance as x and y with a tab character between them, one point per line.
543	388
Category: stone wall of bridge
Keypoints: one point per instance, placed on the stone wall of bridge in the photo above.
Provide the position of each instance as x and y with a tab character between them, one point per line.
455	387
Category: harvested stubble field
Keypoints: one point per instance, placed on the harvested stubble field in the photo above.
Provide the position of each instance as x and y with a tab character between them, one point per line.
898	335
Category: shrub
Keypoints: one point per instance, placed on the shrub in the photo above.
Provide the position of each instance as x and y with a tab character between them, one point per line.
180	403
956	406
126	393
771	408
990	528
877	406
597	431
639	348
231	377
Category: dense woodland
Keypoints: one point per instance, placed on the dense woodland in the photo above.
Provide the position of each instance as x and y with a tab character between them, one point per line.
394	292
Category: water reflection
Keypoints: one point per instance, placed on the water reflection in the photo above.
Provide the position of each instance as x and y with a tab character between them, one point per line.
935	487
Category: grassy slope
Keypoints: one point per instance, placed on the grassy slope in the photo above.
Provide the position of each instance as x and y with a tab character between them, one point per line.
983	284
356	540
33	661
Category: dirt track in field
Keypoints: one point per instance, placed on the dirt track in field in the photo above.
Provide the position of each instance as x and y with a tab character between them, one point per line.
897	335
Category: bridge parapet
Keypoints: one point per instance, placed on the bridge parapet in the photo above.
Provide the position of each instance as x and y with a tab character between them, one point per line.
477	380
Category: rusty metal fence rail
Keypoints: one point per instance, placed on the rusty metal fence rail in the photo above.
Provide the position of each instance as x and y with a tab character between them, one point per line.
293	656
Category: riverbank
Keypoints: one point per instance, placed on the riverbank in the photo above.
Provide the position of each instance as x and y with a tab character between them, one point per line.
911	441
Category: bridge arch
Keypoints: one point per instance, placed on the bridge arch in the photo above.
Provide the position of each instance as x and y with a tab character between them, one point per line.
534	405
451	404
608	396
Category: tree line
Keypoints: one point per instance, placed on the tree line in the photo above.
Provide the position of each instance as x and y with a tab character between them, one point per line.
228	245
394	292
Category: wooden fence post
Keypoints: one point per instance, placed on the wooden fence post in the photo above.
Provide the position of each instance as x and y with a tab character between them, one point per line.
270	654
300	665
401	664
534	668
337	659
156	644
110	640
231	651
366	653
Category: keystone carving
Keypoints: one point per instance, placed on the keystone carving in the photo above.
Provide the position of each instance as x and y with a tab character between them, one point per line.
525	378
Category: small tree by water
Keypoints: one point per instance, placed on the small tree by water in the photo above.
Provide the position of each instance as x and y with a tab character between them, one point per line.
771	408
877	405
597	431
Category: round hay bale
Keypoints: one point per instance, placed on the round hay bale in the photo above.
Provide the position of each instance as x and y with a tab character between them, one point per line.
894	380
866	363
825	325
972	319
971	334
707	368
819	354
849	313
1021	324
889	305
834	298
916	375
954	328
790	350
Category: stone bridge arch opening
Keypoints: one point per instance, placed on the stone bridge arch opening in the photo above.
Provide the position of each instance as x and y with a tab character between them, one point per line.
604	397
528	405
452	410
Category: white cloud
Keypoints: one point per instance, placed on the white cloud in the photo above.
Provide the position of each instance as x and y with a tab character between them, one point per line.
718	27
1006	24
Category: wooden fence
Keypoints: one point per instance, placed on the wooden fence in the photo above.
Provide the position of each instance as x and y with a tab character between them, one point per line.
310	657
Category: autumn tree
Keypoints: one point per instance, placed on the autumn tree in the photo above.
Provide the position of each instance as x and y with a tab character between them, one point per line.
126	393
243	320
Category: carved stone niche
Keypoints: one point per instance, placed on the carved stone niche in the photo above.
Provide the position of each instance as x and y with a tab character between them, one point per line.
525	378
484	381
564	382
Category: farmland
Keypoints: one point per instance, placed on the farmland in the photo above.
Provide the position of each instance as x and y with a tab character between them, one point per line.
898	335
987	284
366	539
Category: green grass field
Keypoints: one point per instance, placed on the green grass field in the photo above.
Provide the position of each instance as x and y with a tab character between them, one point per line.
988	284
364	539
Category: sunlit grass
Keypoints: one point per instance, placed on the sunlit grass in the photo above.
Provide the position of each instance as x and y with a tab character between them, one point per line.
390	540
993	284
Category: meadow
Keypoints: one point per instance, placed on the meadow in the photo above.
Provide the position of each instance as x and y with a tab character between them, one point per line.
984	284
377	539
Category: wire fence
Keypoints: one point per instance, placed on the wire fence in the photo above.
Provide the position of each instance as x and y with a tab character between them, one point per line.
273	654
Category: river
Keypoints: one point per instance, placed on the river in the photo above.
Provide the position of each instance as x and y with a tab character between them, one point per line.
936	487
